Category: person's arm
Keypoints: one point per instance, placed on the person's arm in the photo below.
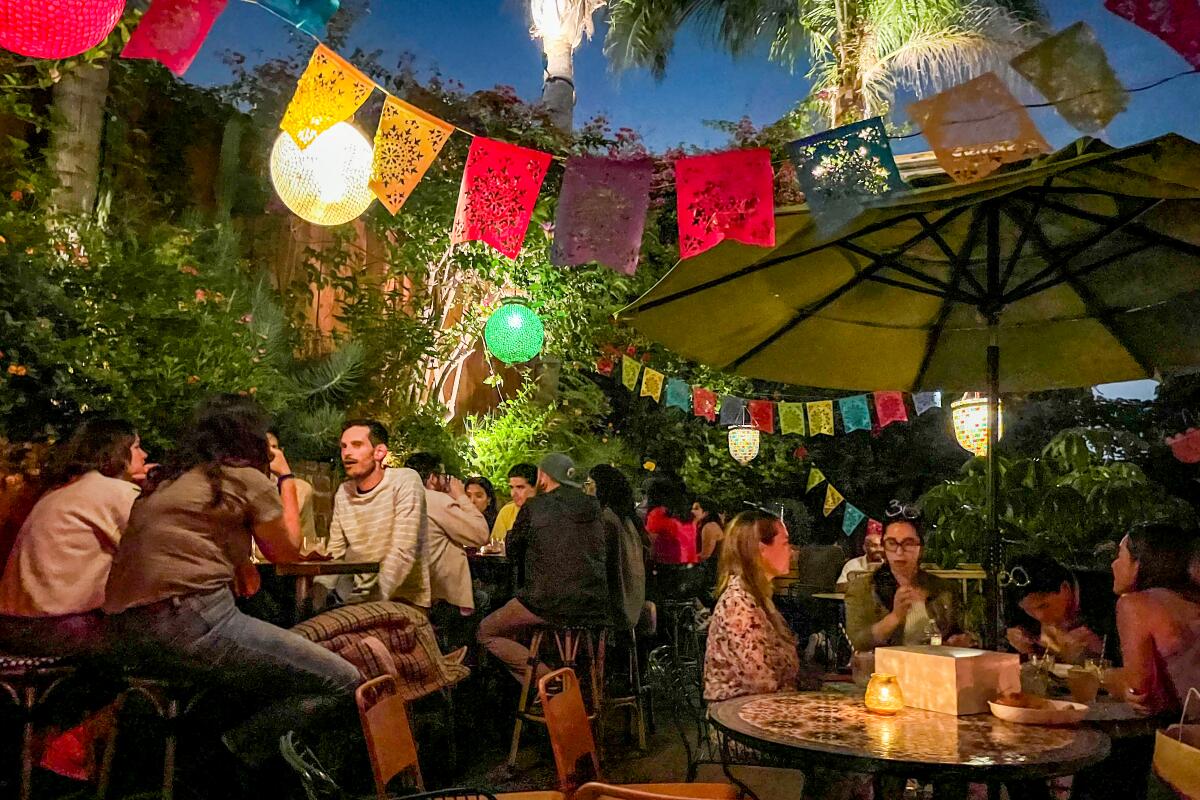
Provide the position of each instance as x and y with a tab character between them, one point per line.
843	581
308	525
281	471
460	519
1135	626
274	530
408	522
709	536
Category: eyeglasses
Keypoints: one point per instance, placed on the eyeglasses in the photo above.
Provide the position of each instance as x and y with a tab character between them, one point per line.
892	546
898	510
1017	577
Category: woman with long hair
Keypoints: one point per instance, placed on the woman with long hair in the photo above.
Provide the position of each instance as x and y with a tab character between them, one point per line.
1158	616
172	584
627	543
481	493
750	648
709	530
53	584
669	522
898	602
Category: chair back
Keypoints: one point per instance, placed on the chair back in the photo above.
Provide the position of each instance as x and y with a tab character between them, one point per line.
388	734
570	730
678	791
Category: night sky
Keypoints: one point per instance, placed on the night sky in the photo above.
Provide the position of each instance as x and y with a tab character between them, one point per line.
483	43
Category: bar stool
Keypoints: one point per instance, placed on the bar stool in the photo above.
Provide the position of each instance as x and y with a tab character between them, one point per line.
635	700
567	640
171	701
28	680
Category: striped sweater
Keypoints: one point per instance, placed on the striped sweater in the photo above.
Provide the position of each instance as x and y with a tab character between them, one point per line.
387	524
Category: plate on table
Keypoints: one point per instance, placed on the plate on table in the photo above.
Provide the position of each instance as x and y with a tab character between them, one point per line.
1045	712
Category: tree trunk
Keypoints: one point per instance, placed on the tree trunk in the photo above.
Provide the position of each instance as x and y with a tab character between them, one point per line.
558	87
78	122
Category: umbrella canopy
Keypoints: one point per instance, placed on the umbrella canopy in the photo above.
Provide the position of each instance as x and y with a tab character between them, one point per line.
1083	266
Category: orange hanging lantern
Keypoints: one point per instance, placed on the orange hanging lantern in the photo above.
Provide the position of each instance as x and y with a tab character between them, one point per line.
56	28
883	695
970	415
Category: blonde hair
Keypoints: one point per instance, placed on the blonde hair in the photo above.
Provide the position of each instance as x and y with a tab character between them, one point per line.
741	557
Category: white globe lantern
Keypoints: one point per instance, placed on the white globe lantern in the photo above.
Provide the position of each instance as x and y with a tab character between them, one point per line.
327	183
743	443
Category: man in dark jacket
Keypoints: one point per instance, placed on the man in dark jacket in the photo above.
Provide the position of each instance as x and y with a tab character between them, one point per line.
559	539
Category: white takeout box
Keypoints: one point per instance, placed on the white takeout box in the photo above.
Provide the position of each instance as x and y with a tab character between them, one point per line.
951	680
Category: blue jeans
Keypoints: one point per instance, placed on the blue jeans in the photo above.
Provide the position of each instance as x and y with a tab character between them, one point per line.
289	682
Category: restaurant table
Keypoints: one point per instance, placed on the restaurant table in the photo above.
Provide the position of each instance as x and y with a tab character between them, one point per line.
497	571
839	597
832	729
305	572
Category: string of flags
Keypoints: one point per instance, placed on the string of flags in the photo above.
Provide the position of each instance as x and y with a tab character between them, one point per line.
811	418
973	129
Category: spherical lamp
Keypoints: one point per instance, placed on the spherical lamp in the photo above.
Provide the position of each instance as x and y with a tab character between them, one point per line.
514	333
327	183
56	28
743	443
970	415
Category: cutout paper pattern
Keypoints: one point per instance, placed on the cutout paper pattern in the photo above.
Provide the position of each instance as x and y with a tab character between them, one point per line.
851	519
310	16
874	527
923	401
725	196
833	499
791	418
602	212
172	31
500	186
57	28
733	411
762	415
889	408
604	365
329	92
652	384
679	394
1176	22
1071	70
1185	446
856	414
820	418
704	403
839	169
406	143
630	370
815	479
977	127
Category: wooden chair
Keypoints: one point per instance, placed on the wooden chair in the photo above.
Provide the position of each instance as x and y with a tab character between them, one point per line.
666	791
575	748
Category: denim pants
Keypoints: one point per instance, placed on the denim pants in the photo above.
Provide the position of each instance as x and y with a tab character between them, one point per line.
285	681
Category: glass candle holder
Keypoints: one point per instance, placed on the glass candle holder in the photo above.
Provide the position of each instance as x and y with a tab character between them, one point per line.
883	695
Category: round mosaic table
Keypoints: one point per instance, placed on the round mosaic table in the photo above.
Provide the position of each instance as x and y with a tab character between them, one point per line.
834	730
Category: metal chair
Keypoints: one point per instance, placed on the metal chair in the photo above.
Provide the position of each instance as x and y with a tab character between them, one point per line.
29	680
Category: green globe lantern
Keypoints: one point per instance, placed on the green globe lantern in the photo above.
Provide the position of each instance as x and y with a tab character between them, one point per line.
514	333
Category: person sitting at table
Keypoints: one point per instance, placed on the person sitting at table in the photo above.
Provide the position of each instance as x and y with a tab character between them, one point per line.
895	604
871	558
709	528
1158	616
628	545
560	539
481	493
171	588
379	514
1047	595
522	485
750	648
304	494
669	522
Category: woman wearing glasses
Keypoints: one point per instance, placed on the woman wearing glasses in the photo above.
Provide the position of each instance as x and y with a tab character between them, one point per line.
900	603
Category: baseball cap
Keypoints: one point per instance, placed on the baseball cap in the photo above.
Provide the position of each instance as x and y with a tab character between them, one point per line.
561	468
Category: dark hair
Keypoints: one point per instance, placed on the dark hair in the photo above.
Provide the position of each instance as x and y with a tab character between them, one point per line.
526	471
376	433
1163	554
613	490
424	464
1043	573
226	430
712	513
101	444
883	579
670	494
489	513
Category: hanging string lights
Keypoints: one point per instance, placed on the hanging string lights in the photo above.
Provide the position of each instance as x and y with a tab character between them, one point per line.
328	182
56	28
970	415
514	332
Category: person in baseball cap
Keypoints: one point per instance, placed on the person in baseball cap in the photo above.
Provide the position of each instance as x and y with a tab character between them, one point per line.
560	468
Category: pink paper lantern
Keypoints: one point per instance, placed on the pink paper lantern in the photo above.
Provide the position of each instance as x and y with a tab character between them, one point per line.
56	28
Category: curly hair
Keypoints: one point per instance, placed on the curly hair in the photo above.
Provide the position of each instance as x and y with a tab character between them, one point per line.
102	444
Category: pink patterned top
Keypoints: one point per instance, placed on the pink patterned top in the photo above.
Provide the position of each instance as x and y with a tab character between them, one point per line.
745	654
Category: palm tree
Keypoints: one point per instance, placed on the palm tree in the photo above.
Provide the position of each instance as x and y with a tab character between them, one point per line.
561	25
861	52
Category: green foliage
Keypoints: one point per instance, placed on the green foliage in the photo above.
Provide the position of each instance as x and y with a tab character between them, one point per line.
1082	491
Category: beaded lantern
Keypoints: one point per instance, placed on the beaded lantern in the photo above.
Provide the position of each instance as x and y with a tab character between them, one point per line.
970	415
327	183
743	443
56	28
883	695
514	333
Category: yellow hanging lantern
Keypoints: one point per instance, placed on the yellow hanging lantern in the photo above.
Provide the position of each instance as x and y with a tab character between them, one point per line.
883	695
328	182
970	415
743	443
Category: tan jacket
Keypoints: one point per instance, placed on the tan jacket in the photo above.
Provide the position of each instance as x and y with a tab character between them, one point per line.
453	525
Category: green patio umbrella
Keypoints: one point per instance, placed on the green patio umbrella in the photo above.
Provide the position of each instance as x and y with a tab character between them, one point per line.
1078	268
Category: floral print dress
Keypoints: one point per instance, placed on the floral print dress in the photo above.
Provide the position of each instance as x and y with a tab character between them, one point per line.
745	654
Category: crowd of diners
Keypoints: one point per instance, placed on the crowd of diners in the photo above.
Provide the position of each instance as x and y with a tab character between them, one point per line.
129	566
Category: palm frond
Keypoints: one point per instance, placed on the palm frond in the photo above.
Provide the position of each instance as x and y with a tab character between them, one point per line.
568	20
335	376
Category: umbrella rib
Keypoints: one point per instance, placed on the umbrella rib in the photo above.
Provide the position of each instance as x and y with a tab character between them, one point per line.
950	254
908	286
1038	202
1081	272
890	262
1137	229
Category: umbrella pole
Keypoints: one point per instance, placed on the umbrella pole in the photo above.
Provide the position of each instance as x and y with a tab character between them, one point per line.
993	621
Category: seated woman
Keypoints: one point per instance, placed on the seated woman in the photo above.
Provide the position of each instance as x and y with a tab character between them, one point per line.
672	541
1158	616
171	587
53	584
709	529
483	496
628	545
1047	595
750	647
895	604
